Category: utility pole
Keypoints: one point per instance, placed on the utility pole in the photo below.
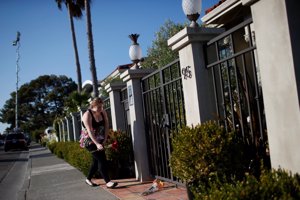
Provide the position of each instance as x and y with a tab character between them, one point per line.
17	43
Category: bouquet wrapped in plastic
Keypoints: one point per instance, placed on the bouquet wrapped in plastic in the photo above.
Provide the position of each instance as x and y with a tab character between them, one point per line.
156	185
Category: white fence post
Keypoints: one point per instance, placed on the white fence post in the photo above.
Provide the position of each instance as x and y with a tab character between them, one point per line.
196	79
117	112
135	101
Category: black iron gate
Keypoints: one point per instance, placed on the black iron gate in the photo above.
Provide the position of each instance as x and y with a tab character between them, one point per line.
231	58
106	107
164	113
125	105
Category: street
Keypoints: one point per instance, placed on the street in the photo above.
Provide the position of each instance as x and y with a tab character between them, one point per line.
13	169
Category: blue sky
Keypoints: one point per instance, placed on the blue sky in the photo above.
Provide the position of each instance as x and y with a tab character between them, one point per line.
46	44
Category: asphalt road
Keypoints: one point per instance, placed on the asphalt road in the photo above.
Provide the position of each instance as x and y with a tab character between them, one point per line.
13	168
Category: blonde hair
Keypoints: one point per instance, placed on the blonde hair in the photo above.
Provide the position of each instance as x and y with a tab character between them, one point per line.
96	102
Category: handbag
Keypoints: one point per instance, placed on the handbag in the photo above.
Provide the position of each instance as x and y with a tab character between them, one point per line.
85	141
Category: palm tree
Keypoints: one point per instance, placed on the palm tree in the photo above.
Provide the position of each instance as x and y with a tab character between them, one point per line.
91	48
75	8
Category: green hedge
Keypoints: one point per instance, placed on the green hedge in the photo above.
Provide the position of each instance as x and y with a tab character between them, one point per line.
272	184
215	165
206	152
72	153
118	151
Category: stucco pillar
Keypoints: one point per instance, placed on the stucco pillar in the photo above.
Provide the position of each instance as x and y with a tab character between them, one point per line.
277	34
135	101
196	79
117	111
76	125
60	129
69	128
82	111
63	126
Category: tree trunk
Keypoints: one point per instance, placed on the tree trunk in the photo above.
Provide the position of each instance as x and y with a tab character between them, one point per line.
78	68
91	49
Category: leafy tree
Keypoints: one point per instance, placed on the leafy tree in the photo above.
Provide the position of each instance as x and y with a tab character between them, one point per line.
159	54
75	8
76	100
40	101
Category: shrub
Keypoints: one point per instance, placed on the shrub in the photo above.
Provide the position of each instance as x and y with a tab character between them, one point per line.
72	153
118	146
119	154
59	150
272	184
77	157
214	164
206	153
52	146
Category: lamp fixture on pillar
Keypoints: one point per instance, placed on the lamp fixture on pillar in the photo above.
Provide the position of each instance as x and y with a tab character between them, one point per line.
192	9
135	51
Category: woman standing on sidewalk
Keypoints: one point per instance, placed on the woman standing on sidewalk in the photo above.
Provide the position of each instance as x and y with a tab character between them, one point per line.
95	122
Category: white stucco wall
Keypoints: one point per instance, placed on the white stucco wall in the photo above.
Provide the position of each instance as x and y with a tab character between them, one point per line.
279	82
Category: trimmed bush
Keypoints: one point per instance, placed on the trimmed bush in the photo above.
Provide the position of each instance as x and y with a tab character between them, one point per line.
118	149
205	153
215	165
118	146
273	184
52	146
72	153
59	150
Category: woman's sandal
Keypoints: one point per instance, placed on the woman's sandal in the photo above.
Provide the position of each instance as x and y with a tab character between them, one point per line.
111	184
90	183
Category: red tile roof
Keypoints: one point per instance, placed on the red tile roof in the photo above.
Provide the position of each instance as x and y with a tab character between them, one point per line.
214	6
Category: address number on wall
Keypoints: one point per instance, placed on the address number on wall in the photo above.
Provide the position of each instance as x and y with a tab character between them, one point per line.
186	72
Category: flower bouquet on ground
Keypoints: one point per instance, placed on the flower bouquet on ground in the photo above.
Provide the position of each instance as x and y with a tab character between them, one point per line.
156	186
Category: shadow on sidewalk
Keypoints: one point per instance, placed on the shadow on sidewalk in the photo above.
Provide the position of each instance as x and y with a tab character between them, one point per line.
41	155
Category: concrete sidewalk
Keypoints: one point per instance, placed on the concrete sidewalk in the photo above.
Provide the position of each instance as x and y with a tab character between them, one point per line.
51	178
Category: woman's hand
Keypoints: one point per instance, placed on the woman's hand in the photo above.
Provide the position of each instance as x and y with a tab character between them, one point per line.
99	146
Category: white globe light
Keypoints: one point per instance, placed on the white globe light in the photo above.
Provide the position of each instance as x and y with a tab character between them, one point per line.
135	52
191	6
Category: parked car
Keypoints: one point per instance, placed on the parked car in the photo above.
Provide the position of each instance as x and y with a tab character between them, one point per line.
15	141
2	138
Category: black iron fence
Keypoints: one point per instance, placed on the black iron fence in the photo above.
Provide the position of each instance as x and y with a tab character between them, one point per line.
106	107
164	112
231	58
125	105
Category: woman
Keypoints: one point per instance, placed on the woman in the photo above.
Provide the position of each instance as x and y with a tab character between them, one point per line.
95	122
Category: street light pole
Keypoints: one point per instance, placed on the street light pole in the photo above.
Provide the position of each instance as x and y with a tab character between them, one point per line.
17	43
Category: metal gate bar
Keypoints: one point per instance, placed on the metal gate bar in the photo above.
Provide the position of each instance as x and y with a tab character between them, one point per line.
164	113
106	106
237	89
125	105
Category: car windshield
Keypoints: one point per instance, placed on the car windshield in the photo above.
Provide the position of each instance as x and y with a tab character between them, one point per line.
14	136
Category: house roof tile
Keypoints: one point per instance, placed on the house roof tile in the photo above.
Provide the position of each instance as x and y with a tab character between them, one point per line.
214	6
